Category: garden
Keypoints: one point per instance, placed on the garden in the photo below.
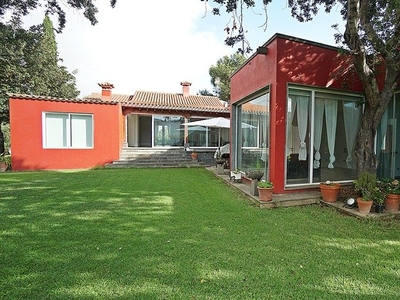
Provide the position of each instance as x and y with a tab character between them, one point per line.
181	233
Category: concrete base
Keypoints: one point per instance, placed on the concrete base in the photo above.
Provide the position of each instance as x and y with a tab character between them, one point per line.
220	169
253	187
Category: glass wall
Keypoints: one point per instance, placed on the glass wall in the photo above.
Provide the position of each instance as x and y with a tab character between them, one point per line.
388	142
204	136
252	133
168	131
321	133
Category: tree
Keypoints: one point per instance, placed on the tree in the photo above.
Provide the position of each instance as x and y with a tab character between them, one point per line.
372	38
205	92
19	8
29	61
221	73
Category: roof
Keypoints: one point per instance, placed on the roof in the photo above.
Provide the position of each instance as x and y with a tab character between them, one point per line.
48	98
173	101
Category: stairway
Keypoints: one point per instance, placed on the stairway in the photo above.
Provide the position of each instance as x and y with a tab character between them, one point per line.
154	158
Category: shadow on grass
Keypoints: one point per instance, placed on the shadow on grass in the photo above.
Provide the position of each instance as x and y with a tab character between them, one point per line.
180	234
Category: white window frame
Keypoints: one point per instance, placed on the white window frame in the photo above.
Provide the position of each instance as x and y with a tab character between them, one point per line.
67	137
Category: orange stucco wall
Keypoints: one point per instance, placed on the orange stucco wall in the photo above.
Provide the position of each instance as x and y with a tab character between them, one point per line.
289	61
27	138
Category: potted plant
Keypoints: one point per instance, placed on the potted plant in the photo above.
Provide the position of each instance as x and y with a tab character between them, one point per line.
5	162
329	191
236	175
218	158
194	155
265	189
378	196
365	184
392	190
257	173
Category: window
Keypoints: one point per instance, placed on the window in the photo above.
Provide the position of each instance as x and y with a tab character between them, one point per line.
321	128
251	132
64	130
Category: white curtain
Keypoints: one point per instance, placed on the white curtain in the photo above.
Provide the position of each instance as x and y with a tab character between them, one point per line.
352	114
331	108
302	120
318	121
289	121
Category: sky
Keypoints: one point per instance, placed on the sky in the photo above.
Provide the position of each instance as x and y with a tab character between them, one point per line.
155	45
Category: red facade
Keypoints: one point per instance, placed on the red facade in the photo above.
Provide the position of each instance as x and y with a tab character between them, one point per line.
289	61
26	123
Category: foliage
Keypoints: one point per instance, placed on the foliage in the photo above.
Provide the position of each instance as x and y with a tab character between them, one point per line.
30	65
378	195
120	234
6	159
265	184
366	184
391	186
205	92
371	39
221	73
18	8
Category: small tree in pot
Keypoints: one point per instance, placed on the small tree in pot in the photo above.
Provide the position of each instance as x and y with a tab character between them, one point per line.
365	184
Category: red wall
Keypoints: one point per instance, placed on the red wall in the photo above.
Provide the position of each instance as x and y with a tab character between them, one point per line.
26	135
290	61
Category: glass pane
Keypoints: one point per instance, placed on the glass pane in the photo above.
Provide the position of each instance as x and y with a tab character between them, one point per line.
388	143
55	130
253	131
335	133
81	131
168	131
297	137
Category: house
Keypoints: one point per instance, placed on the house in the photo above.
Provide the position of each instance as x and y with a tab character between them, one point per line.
53	133
302	100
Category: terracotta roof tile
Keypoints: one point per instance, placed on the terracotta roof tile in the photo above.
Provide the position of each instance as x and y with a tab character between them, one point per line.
157	100
48	98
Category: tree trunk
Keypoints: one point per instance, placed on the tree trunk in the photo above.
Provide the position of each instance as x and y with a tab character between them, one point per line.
2	148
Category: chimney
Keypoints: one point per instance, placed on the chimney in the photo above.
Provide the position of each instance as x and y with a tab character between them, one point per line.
185	88
106	94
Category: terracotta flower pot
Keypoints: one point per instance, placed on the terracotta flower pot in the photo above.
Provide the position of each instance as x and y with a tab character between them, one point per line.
392	202
329	193
265	194
364	207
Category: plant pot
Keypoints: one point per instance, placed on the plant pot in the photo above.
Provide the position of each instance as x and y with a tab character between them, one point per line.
194	155
265	194
220	161
255	175
392	202
236	176
329	193
364	207
379	208
3	166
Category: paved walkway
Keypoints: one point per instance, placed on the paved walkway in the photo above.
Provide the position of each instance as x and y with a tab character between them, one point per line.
296	198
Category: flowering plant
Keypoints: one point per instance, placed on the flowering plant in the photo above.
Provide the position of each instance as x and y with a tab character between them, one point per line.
265	184
378	195
391	186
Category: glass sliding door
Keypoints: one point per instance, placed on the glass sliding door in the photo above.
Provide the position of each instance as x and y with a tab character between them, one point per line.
167	131
252	134
297	136
388	142
321	129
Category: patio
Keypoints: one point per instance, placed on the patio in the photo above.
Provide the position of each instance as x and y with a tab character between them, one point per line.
297	199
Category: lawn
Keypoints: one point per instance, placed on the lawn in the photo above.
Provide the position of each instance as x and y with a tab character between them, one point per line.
181	234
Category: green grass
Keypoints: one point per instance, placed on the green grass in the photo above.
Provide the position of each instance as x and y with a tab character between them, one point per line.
181	234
